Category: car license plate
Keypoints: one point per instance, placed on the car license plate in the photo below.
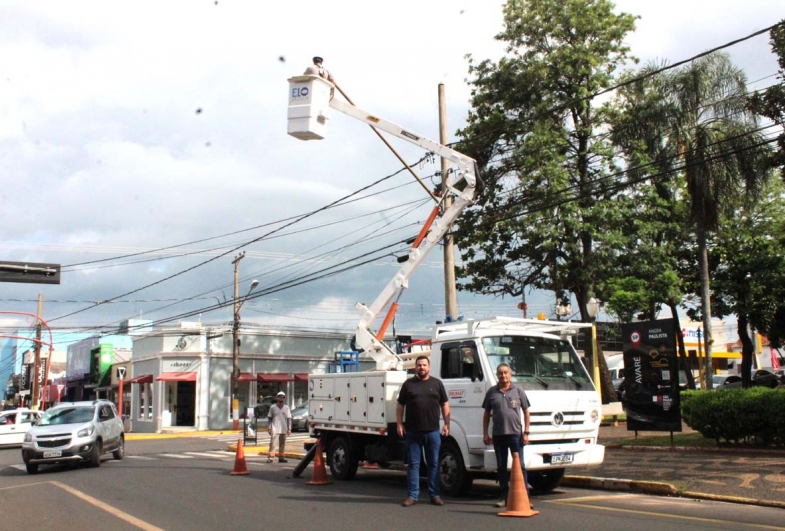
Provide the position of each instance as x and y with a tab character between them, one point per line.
52	453
561	459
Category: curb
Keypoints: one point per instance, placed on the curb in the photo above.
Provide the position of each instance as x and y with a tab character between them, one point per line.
659	489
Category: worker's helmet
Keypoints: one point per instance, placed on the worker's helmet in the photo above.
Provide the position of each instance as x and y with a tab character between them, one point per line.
317	59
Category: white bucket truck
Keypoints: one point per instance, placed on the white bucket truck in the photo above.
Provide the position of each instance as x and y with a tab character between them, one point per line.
354	413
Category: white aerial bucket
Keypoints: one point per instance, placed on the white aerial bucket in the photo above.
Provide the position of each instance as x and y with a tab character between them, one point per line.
309	102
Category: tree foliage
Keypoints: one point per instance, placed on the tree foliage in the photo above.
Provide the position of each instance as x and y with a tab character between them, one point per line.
540	144
771	103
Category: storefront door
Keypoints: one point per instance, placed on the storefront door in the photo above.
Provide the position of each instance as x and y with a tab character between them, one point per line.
186	400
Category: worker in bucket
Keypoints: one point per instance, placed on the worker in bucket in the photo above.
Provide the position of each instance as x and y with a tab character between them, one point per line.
279	426
318	70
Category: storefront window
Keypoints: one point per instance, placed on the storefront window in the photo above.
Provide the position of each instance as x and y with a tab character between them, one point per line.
145	401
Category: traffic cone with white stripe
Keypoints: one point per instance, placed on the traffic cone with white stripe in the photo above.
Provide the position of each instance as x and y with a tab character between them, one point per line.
319	476
518	498
239	461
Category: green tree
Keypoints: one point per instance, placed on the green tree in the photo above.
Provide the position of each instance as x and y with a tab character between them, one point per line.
749	278
771	103
543	155
704	125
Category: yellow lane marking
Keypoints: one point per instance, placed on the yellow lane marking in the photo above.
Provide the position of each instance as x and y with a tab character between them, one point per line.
672	516
141	524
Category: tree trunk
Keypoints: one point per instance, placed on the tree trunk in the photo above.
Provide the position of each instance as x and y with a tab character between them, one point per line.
684	361
703	263
747	350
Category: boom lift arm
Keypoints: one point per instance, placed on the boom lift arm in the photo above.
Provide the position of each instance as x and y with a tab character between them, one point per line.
431	233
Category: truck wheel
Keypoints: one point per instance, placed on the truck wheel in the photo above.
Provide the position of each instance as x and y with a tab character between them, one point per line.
454	480
343	461
545	480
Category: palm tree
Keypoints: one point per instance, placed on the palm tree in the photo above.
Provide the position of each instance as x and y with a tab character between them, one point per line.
697	122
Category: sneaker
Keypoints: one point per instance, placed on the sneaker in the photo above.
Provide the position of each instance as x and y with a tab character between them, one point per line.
269	459
408	502
436	500
500	503
282	460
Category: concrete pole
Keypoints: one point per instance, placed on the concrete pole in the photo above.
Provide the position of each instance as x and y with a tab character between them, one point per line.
236	346
35	388
450	296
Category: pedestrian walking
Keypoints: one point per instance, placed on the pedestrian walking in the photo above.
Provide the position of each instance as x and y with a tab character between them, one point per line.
279	426
422	398
508	406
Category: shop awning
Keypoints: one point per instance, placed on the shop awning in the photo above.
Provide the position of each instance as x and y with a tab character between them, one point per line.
246	377
301	377
274	377
143	379
177	377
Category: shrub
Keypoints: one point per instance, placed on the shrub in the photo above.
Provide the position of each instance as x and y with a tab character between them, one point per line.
755	415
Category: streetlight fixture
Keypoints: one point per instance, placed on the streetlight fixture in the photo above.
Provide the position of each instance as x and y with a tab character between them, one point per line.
593	309
238	303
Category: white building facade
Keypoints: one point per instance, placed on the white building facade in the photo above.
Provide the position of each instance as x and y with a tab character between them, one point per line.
182	377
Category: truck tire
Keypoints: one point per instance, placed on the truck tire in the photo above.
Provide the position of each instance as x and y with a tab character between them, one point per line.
454	480
342	460
545	480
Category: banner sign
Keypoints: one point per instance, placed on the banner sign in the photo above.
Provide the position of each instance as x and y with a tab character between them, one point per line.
651	376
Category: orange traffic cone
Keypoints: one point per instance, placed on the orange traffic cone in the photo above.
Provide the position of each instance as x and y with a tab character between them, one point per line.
239	461
370	465
518	497
319	476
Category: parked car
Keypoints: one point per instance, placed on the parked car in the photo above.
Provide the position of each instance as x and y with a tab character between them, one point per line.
765	378
781	375
14	424
725	381
78	432
300	419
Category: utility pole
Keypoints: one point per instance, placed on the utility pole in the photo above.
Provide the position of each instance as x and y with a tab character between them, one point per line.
35	388
450	297
235	345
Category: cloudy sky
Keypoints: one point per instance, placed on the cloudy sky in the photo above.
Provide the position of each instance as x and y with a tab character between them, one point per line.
143	146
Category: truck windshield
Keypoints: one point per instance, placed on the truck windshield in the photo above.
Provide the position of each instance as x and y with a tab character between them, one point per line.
538	363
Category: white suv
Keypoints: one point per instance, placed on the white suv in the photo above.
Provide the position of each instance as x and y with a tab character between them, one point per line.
74	432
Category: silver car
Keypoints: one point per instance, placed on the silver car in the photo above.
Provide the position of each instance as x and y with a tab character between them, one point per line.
74	432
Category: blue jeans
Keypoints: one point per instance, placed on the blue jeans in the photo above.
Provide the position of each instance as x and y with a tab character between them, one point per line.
415	442
501	445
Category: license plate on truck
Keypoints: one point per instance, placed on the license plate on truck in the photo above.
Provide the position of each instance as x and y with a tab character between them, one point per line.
52	453
561	459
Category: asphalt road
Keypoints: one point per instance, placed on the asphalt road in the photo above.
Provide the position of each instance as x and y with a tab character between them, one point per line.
185	484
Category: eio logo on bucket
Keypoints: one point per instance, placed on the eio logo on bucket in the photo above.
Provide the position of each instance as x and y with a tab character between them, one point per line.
300	93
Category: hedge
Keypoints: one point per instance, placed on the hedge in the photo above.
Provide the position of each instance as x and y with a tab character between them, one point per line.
752	416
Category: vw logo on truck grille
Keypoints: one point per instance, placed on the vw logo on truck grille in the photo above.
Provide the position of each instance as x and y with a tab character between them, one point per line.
557	418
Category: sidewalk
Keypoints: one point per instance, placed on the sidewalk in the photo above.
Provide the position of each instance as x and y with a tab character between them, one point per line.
739	475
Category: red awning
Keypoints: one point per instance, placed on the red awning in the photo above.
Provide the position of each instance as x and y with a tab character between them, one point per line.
246	377
143	379
274	377
177	377
301	377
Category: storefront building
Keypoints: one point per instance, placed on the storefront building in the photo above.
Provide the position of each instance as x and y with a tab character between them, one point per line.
181	378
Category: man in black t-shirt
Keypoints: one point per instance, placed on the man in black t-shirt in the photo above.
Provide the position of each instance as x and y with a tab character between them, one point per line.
422	397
